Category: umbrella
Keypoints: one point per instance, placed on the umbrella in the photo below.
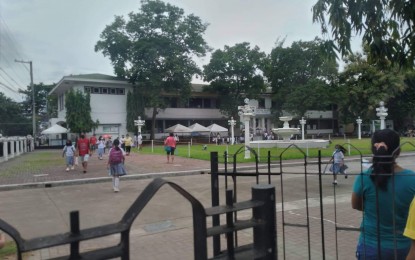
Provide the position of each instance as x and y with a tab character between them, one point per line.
217	128
199	128
55	129
106	136
178	129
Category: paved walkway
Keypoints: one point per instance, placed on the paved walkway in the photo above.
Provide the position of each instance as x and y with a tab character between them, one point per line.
164	228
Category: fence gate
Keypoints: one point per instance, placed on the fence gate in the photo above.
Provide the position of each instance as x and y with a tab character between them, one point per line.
299	235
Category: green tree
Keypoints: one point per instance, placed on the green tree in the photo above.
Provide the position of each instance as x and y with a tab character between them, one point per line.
362	85
13	121
154	50
234	73
301	76
45	105
402	106
387	27
78	112
135	108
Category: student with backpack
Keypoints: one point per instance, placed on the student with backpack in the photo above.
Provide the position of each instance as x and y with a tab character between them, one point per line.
116	164
69	152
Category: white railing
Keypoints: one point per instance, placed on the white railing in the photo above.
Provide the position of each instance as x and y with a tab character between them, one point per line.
11	147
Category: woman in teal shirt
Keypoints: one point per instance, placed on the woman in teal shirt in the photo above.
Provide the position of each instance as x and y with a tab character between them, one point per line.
384	193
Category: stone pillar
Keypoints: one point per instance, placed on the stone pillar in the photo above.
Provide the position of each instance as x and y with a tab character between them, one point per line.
11	141
5	150
359	129
247	112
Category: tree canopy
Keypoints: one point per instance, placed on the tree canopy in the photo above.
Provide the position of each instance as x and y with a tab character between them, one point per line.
386	27
301	76
154	50
234	73
362	85
45	105
13	121
78	112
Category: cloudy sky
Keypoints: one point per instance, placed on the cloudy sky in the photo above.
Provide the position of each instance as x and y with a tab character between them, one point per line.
59	36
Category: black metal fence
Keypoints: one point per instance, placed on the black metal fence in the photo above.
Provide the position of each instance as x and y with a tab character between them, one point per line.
262	223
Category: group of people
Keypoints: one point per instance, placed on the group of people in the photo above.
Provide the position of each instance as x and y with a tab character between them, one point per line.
85	147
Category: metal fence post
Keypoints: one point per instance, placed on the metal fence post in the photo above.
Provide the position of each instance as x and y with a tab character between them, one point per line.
265	238
214	186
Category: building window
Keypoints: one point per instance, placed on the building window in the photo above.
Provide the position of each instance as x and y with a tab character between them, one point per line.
195	103
120	91
207	103
105	91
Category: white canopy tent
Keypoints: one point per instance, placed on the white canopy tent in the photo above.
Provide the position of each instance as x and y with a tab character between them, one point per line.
55	129
178	129
199	128
217	128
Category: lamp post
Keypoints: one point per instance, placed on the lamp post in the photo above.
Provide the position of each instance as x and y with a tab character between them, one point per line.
302	122
246	112
382	114
232	123
139	123
359	129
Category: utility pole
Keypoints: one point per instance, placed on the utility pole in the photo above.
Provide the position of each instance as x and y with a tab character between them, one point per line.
33	96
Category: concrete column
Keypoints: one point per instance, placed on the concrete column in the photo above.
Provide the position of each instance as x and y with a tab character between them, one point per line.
4	147
11	141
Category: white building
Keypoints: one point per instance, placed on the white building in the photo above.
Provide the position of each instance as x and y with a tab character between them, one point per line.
108	100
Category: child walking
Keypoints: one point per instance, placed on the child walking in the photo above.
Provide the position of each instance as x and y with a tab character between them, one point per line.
116	164
69	152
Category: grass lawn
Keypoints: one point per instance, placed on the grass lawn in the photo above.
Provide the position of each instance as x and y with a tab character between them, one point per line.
196	151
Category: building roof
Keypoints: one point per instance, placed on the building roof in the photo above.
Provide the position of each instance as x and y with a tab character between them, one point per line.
69	81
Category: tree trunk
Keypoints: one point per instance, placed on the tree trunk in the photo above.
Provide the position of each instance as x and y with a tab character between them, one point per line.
153	123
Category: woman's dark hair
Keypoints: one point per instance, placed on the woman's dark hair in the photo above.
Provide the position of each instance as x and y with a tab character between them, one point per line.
116	143
384	157
68	143
171	134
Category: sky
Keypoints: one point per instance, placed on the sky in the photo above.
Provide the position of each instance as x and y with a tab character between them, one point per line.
59	36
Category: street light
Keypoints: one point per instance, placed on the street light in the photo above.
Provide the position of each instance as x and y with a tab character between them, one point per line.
139	123
382	114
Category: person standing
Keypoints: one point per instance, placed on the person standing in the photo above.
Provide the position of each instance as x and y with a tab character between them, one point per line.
116	164
69	152
384	193
338	162
93	143
409	231
82	146
122	142
139	141
170	144
128	141
101	147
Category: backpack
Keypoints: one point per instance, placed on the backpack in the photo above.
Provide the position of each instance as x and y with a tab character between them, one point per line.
115	156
